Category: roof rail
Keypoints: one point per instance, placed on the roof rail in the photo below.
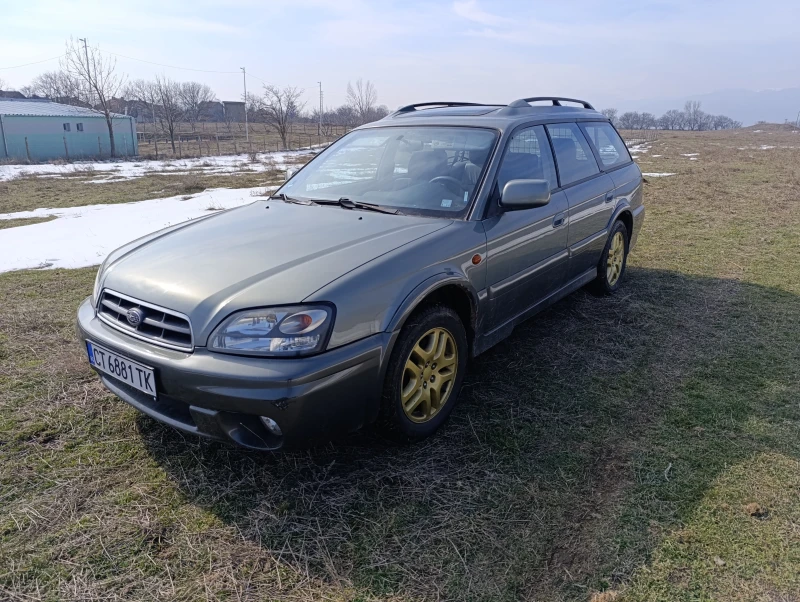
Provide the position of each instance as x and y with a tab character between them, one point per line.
556	100
418	105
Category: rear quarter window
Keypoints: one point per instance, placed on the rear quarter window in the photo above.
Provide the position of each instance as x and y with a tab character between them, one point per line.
609	146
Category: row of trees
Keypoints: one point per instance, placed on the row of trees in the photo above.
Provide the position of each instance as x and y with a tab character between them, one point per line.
89	78
692	117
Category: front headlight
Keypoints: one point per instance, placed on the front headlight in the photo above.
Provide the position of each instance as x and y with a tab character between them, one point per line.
274	331
96	290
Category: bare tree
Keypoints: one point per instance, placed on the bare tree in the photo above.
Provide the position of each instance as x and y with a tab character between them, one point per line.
611	114
671	120
362	98
145	92
346	116
99	76
280	107
62	87
693	115
723	122
3	84
193	96
170	112
647	121
629	120
254	106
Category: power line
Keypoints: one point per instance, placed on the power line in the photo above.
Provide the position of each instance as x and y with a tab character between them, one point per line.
33	63
167	66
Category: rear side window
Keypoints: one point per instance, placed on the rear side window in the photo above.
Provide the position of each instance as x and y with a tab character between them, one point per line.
528	158
610	147
574	158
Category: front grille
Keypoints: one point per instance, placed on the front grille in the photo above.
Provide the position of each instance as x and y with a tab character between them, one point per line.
159	325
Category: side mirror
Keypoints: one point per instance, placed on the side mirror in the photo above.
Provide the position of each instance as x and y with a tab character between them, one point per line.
525	194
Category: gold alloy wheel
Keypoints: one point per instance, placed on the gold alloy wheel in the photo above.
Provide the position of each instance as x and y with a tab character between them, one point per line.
616	255
429	375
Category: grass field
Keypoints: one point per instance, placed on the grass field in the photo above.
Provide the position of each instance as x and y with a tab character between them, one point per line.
642	447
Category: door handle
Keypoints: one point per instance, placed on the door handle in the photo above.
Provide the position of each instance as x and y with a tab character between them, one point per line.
558	220
609	197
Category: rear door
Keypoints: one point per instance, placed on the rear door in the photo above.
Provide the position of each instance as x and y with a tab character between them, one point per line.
590	194
527	249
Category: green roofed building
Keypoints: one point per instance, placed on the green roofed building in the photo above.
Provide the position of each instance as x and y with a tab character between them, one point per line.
34	130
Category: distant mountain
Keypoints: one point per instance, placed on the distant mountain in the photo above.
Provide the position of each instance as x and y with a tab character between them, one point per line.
747	106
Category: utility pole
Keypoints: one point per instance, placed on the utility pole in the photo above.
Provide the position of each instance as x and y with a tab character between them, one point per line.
88	70
319	125
246	125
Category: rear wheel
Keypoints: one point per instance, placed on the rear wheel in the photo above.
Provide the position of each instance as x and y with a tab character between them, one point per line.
613	261
425	373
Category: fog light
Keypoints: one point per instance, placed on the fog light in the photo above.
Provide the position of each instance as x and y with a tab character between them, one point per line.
272	426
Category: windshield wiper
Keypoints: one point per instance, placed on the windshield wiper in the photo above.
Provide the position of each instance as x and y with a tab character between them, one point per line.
348	204
288	199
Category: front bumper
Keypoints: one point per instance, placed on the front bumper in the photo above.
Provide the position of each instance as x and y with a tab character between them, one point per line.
222	396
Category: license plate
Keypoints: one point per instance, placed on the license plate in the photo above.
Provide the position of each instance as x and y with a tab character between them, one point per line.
120	367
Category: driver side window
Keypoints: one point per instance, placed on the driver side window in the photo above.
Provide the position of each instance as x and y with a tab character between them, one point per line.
528	157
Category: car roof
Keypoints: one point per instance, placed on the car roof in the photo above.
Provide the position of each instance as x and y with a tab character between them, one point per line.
486	115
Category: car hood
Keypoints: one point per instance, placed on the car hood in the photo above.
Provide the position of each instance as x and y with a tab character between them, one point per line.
266	253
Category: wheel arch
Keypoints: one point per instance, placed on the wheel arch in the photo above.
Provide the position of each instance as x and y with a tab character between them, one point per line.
444	289
623	213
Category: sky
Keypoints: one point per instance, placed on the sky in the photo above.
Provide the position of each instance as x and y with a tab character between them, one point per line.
477	50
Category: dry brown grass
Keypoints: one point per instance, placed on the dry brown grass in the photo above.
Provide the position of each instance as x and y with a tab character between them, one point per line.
24	221
610	445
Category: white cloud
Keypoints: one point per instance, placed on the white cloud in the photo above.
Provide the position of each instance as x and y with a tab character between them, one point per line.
469	9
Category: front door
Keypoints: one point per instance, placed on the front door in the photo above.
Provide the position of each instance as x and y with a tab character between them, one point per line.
527	249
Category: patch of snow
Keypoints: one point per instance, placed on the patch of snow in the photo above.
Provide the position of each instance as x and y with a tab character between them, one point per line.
690	154
638	148
693	159
115	171
757	131
83	236
765	147
658	175
654	156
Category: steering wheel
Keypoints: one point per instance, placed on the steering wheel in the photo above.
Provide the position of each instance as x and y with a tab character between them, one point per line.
448	181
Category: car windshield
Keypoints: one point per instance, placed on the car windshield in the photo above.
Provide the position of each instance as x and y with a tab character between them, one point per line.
431	171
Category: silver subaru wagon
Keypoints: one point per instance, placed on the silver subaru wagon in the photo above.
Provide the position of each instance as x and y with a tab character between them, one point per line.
357	292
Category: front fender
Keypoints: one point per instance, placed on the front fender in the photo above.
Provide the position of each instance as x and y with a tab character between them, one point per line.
426	288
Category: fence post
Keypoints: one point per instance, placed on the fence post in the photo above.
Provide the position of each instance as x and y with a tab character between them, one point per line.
199	148
180	147
235	148
99	149
66	150
155	142
216	135
125	142
27	149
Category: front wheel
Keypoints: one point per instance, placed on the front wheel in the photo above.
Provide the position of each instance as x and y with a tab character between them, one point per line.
425	373
613	261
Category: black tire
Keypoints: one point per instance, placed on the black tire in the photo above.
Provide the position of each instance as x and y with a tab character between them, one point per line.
393	419
601	284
